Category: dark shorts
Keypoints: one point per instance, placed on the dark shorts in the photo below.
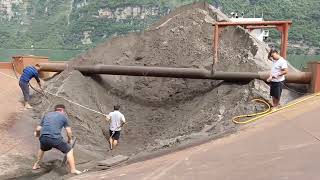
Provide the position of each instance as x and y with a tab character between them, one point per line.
114	136
47	143
276	89
25	90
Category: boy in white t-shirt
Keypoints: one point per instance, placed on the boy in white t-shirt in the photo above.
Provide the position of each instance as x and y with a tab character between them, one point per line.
276	78
117	120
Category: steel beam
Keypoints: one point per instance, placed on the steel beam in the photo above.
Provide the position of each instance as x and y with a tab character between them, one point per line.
257	23
281	26
53	67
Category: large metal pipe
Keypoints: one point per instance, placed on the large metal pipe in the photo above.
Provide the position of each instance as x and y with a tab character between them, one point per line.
53	67
190	73
291	77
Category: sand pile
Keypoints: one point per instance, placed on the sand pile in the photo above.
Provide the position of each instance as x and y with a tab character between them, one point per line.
163	108
161	111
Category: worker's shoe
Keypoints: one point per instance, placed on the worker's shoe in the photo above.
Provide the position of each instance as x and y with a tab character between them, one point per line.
36	166
76	172
275	108
28	106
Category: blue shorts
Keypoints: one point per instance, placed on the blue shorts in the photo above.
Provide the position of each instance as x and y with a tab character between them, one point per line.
276	89
25	90
47	143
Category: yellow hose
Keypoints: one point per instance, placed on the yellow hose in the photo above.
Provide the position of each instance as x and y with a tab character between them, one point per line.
236	118
269	111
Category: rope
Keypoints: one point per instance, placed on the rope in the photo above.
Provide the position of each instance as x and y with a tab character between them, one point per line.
75	103
70	101
290	89
8	76
41	92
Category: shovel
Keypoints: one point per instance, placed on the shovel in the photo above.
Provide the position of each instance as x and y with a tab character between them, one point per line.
65	156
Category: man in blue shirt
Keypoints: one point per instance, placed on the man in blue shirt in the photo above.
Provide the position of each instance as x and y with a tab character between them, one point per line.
49	133
28	73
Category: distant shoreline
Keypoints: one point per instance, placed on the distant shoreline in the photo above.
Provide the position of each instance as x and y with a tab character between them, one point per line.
53	54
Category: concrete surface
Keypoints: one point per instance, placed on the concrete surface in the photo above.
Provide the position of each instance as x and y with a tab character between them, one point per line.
284	145
10	105
16	134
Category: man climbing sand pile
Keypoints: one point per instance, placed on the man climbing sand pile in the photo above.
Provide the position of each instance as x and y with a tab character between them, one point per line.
49	133
28	73
277	76
117	120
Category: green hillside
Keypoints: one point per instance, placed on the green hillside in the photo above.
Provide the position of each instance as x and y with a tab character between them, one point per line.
80	24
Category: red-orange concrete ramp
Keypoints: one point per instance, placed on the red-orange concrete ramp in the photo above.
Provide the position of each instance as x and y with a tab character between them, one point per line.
16	134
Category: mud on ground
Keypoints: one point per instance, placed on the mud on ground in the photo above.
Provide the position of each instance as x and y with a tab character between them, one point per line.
161	112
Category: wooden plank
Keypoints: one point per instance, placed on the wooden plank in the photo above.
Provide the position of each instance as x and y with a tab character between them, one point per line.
113	161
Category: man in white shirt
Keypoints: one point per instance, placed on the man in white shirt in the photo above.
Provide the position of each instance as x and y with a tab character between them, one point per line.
276	78
117	120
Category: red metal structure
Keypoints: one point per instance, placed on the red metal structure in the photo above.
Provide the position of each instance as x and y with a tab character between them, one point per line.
281	26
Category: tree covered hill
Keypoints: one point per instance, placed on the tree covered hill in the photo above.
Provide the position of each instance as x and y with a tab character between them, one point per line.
80	24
